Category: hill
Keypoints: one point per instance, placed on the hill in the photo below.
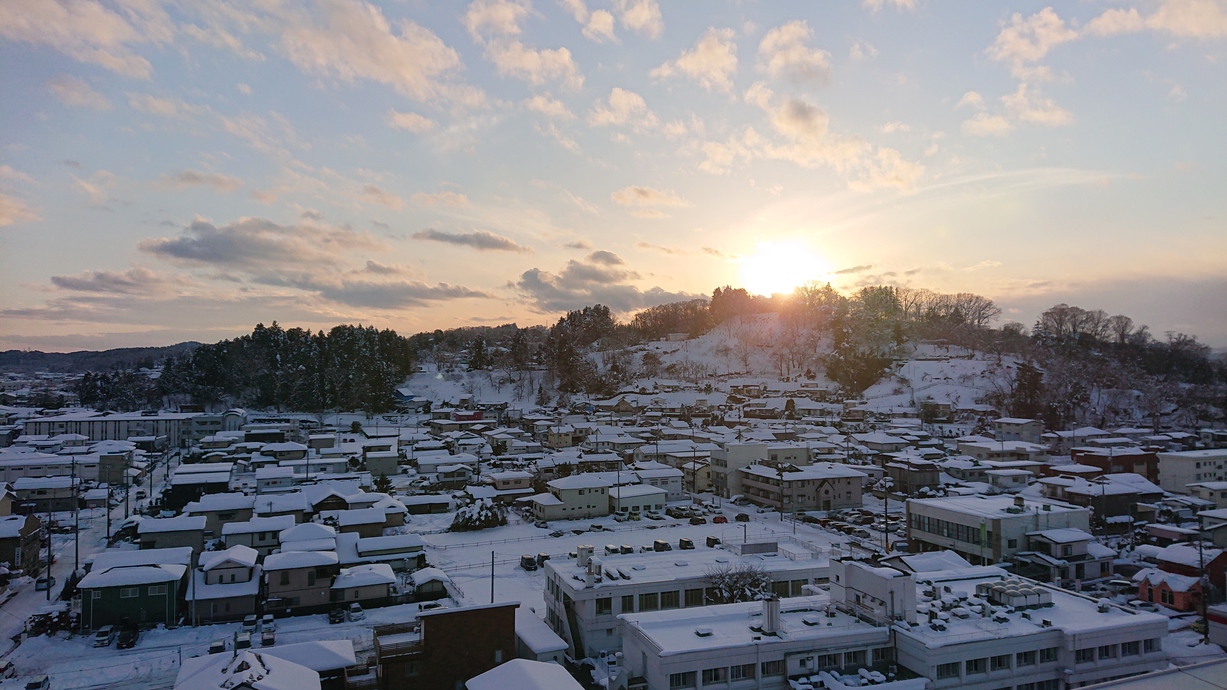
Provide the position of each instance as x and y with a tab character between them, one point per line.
90	360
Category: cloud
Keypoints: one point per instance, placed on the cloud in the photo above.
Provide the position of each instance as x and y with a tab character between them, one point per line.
622	107
96	186
600	27
1177	93
578	244
640	16
550	107
162	107
193	178
243	89
261	249
1026	41
14	211
418	124
783	54
862	50
89	32
855	269
350	40
135	281
660	248
1201	19
985	125
892	127
711	62
494	24
377	268
75	92
581	284
374	195
971	99
637	196
605	258
715	252
877	5
395	295
987	263
444	198
480	240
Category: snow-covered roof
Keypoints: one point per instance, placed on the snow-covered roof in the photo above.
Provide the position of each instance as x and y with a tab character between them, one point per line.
544	499
11	526
1067	535
535	634
219	502
579	481
1174	581
247	668
365	576
291	560
308	531
524	674
935	561
1184	554
318	655
403	542
181	523
634	490
129	575
421	577
237	555
115	558
276	523
199	590
824	470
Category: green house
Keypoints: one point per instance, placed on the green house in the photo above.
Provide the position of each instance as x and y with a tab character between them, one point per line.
143	594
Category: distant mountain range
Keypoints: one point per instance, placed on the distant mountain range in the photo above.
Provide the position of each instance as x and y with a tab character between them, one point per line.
90	360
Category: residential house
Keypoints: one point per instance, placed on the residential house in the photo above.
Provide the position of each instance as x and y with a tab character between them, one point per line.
576	496
143	587
1178	470
445	647
299	581
1018	429
225	585
259	533
45	494
219	509
1065	557
372	584
19	543
167	533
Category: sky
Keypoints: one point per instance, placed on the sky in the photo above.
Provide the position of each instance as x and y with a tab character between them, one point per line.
176	171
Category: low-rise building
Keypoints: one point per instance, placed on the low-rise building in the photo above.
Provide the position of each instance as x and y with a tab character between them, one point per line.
1179	469
143	587
299	581
167	533
986	529
259	533
787	488
19	543
219	509
225	586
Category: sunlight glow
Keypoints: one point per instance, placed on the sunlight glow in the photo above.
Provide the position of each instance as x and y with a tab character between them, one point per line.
779	267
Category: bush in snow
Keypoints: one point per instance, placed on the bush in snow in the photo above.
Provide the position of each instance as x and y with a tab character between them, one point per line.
741	582
479	515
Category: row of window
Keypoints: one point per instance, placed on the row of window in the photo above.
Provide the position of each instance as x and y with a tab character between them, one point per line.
1004	662
1088	655
724	674
134	592
672	599
951	530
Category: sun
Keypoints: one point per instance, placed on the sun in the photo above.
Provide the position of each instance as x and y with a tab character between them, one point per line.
779	267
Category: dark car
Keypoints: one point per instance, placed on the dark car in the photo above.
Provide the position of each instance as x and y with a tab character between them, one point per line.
742	517
128	635
696	520
336	616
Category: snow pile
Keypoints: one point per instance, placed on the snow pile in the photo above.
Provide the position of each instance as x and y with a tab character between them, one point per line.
480	514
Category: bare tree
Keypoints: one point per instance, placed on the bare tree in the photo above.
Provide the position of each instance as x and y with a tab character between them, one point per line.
731	583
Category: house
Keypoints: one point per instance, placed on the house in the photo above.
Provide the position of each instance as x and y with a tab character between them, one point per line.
1214	492
663	477
453	476
218	509
166	533
370	585
1187	559
445	647
400	551
366	522
383	462
225	586
535	640
259	533
142	591
636	499
329	658
309	536
696	477
1018	429
274	479
1064	556
788	488
1119	460
430	464
19	543
576	496
299	581
1172	590
45	494
423	504
910	474
1008	480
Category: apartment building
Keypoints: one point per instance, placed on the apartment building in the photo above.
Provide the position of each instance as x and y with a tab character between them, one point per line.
1178	470
787	488
986	529
584	596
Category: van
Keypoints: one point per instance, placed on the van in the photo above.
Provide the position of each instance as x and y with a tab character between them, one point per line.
104	636
242	640
38	683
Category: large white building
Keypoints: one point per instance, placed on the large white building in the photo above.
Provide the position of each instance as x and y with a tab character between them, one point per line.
986	529
584	596
1178	470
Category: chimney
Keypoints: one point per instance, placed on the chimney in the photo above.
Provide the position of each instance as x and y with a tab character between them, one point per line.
771	615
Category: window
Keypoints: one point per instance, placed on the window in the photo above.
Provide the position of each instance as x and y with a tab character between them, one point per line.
1107	651
1025	658
498	656
773	668
780	589
412	668
668	600
649	601
129	592
681	680
1000	662
694	597
829	661
1013	543
285	578
856	658
1048	655
743	672
1151	645
604	606
950	670
628	603
977	666
1131	648
1084	656
715	675
310	578
157	590
882	655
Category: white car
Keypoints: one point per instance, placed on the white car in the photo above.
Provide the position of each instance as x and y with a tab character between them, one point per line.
104	636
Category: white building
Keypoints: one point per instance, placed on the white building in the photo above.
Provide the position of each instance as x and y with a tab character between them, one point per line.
986	529
1178	470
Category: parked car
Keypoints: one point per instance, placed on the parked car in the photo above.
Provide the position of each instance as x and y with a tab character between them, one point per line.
742	517
38	683
696	520
431	606
44	583
542	524
104	636
268	623
249	623
685	544
127	637
268	638
528	563
242	640
719	520
217	646
336	616
355	612
653	515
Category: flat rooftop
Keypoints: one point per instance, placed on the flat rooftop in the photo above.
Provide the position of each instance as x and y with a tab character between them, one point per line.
994	506
666	566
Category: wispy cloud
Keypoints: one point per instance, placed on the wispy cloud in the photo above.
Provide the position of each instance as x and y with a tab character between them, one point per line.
480	240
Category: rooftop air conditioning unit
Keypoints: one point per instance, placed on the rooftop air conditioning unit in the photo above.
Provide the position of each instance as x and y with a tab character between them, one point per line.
703	631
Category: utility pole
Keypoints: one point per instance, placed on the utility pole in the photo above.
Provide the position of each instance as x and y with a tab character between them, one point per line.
49	502
491	577
76	519
1204	582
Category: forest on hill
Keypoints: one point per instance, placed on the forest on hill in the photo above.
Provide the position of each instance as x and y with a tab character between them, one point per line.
1065	358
